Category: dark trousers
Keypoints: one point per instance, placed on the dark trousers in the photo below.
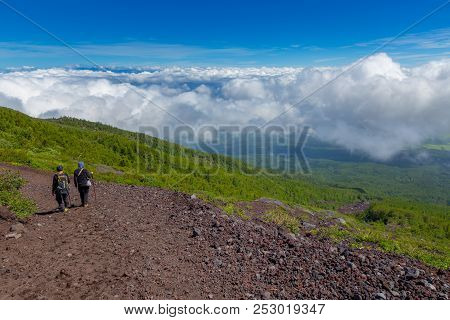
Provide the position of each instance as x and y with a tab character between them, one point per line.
84	195
63	200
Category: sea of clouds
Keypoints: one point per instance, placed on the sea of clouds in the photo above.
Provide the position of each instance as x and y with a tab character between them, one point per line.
378	107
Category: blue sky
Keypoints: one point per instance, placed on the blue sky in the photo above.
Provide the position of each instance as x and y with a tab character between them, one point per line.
227	33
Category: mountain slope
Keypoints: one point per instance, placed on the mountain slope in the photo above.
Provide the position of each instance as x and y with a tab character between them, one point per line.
115	155
404	226
151	243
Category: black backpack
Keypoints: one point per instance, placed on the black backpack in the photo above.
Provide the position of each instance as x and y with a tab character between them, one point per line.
63	183
83	178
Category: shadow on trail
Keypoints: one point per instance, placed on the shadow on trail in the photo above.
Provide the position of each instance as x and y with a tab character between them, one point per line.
43	213
53	211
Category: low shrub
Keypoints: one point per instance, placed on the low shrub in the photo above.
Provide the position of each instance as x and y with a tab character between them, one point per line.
10	196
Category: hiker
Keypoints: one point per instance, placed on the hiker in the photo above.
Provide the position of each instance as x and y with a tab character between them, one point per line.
60	188
82	180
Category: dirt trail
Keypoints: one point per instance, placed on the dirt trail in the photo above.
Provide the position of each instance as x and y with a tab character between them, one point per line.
150	243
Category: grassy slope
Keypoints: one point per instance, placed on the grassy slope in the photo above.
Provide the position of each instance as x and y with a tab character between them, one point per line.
403	176
112	154
46	143
396	181
416	229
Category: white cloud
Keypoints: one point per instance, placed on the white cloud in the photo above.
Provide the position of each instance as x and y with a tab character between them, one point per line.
378	107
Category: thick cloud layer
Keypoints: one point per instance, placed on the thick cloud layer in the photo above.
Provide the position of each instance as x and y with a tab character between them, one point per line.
377	107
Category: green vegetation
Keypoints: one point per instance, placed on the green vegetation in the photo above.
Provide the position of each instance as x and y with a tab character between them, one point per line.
283	218
419	230
394	222
233	210
10	183
442	144
403	176
406	181
441	147
144	160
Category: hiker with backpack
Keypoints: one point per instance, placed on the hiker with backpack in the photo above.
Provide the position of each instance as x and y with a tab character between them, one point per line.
82	180
60	188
